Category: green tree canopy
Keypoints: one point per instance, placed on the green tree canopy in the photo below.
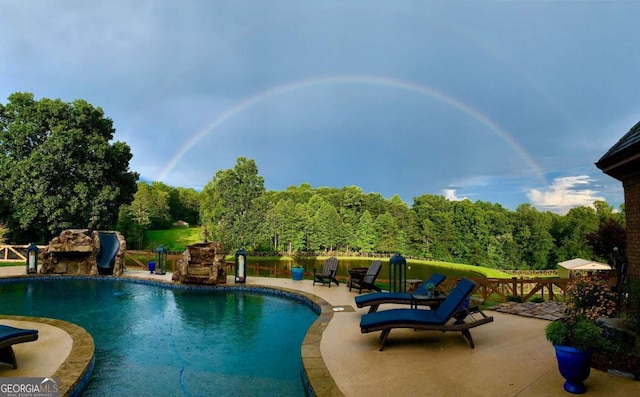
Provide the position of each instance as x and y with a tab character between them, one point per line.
60	167
229	207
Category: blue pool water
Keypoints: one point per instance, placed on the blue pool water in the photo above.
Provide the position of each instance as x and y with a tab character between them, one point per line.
153	340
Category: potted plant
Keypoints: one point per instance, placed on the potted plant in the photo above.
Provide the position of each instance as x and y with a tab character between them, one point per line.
575	335
297	269
430	288
297	272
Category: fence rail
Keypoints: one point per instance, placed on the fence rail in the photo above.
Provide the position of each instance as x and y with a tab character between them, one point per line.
135	255
523	288
15	253
552	289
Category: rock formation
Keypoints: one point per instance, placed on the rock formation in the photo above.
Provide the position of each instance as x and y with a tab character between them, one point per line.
202	263
74	252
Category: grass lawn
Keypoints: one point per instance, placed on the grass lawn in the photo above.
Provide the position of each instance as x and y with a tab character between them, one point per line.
2	264
485	271
173	239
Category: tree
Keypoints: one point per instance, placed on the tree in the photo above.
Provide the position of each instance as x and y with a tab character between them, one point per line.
532	235
184	204
60	167
228	205
387	232
3	232
570	233
609	242
365	238
152	208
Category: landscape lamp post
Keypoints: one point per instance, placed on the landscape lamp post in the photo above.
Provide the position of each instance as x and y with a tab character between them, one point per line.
32	258
241	262
161	260
397	273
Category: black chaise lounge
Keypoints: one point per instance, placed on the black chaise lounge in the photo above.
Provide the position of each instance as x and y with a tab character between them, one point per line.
367	280
449	316
375	299
9	336
328	273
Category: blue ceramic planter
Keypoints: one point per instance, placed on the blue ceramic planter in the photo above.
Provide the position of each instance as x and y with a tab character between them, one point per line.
575	366
297	273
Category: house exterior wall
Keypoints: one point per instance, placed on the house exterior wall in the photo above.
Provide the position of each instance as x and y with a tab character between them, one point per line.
632	209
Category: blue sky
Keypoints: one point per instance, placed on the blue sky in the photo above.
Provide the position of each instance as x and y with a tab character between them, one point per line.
506	102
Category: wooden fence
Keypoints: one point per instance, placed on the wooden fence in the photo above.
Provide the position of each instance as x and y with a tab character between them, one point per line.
550	289
495	289
15	253
135	257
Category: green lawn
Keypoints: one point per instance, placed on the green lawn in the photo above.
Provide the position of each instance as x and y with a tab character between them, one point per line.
485	271
173	239
12	264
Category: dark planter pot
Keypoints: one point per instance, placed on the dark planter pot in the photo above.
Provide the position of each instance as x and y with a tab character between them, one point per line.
575	366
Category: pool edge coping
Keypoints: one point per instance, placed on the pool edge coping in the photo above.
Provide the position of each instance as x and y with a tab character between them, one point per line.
316	377
75	370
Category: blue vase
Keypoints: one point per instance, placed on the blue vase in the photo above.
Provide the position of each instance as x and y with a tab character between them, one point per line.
575	366
297	273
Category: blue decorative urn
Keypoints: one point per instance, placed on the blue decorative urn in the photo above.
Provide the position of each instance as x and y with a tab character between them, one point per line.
575	366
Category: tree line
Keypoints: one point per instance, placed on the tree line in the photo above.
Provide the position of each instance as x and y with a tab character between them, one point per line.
60	168
235	208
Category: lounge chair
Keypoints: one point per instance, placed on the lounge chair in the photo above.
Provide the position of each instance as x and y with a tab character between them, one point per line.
328	273
440	319
367	280
375	299
10	336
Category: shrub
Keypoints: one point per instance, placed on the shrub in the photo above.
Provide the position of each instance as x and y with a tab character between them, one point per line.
588	299
537	299
582	335
591	298
514	298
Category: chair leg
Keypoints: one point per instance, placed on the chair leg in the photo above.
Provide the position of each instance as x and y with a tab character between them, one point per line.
7	356
467	334
383	338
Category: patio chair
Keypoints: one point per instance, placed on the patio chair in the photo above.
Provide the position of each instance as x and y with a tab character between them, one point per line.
375	299
447	317
367	280
9	336
328	273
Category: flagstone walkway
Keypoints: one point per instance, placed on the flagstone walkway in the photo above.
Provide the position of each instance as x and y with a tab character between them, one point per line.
545	310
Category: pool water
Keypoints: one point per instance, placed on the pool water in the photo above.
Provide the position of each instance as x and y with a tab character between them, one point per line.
153	340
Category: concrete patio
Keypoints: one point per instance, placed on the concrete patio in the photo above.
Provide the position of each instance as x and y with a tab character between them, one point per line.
511	358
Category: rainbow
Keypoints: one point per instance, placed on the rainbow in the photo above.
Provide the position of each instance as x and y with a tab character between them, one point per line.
374	80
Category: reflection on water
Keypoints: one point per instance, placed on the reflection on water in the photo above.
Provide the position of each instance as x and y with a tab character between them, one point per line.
157	341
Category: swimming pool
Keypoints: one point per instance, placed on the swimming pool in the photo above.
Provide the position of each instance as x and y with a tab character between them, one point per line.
154	340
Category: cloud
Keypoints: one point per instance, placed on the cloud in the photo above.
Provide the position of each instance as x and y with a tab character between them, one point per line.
450	194
564	193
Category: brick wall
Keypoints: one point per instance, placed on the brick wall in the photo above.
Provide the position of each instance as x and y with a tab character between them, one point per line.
632	208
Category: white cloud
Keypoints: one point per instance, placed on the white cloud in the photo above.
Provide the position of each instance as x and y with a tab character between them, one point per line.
450	194
564	194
